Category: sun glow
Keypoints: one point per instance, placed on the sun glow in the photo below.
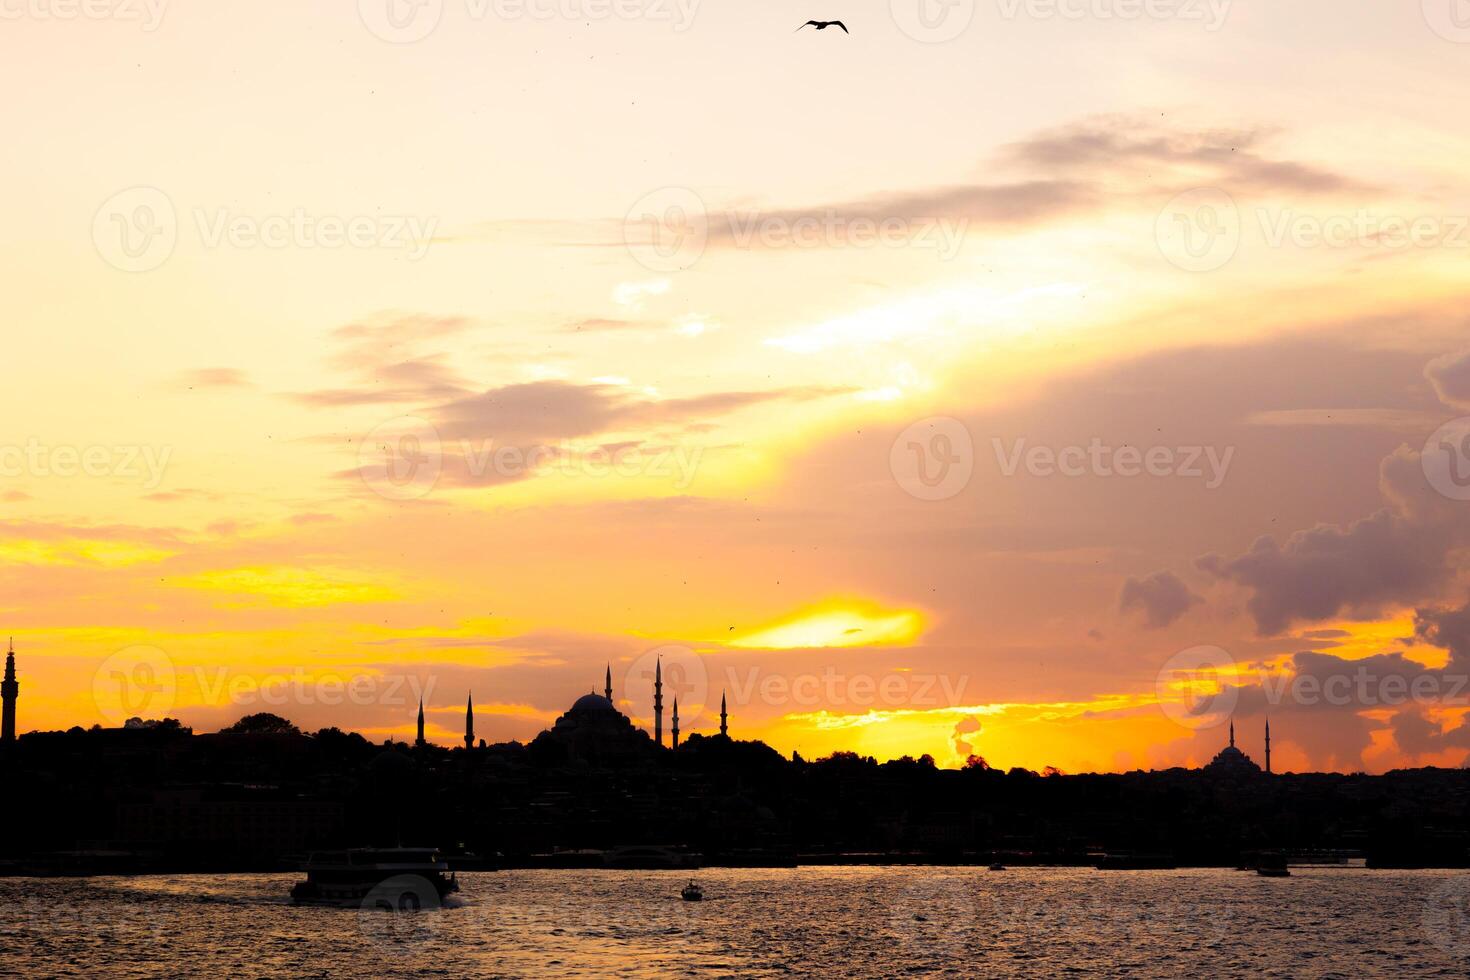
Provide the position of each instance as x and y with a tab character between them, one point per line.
837	623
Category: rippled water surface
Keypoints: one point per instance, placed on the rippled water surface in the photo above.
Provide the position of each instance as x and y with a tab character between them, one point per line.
847	922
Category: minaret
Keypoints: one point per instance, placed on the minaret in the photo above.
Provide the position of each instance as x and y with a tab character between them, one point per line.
676	721
1232	732
469	722
658	702
9	689
724	718
419	742
1268	746
607	691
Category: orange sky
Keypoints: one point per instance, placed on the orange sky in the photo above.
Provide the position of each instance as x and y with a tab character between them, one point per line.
923	389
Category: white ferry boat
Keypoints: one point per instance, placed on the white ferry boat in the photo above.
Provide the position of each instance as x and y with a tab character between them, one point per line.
397	878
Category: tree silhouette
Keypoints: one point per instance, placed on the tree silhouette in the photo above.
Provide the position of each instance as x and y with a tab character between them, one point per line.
261	723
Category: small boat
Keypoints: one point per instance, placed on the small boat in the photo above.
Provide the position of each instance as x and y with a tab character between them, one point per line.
398	878
997	867
692	893
1271	864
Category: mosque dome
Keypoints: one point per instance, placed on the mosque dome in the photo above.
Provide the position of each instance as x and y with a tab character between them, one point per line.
593	702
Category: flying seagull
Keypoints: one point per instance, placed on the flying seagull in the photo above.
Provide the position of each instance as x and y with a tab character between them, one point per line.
822	25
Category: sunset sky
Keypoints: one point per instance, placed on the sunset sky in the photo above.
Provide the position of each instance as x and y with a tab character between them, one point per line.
357	364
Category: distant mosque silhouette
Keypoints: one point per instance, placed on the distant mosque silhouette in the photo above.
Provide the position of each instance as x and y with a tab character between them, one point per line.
1230	761
593	726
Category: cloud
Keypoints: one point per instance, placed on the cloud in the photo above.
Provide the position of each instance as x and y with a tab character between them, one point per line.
412	381
1448	629
405	329
217	377
1163	597
1120	143
633	295
1087	166
547	410
1391	419
1399	554
1450	376
968	725
1017	204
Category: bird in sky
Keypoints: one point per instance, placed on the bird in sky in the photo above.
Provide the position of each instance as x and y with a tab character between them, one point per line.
822	25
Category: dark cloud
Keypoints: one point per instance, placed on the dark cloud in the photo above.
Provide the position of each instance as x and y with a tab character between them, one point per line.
1448	629
1162	597
1398	555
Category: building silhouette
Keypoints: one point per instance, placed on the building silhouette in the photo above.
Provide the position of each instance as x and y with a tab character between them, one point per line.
658	702
593	713
10	690
1230	761
469	722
